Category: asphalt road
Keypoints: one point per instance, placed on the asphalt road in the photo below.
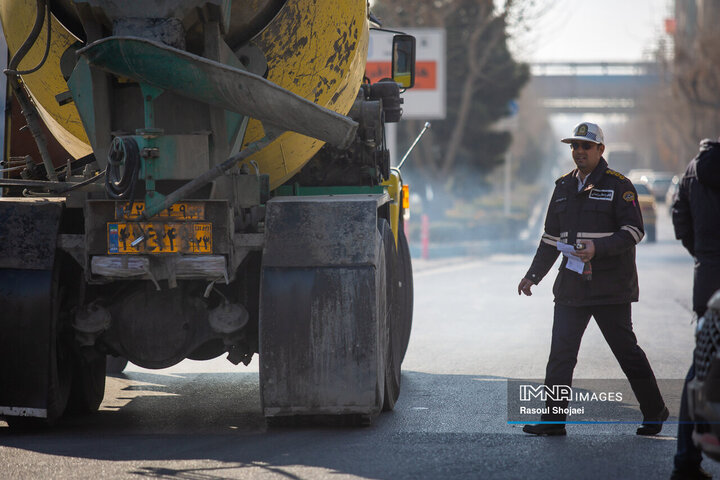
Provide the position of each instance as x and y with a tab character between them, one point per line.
202	420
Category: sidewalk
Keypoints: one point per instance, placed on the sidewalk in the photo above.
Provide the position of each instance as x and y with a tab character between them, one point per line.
445	253
420	265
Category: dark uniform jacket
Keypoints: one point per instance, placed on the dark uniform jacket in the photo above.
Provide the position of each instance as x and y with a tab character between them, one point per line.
696	218
605	211
696	209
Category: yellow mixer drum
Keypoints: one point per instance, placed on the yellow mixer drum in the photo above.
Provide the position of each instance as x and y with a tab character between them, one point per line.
314	48
17	18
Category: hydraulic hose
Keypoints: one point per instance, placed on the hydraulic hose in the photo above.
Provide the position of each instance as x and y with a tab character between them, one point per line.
57	187
28	109
30	41
123	167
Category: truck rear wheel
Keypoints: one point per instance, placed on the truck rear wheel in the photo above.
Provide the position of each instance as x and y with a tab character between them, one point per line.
60	373
88	383
405	290
393	321
59	369
115	365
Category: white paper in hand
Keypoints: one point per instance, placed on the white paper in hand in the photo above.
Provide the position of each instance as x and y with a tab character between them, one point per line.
573	263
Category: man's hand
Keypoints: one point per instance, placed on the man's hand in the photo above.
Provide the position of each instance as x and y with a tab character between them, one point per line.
587	253
524	287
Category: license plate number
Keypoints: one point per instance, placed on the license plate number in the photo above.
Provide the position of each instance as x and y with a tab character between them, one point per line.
179	211
157	238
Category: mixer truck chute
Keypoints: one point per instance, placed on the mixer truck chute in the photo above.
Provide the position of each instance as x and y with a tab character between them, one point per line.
230	193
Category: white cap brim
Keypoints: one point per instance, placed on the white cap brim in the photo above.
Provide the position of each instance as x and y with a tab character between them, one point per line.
580	139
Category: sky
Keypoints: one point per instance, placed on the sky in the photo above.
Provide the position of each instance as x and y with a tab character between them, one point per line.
593	31
599	30
590	30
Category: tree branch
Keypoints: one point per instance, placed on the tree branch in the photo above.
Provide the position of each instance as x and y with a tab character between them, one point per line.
468	89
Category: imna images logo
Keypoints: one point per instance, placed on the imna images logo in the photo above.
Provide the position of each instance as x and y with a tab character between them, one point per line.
555	393
559	393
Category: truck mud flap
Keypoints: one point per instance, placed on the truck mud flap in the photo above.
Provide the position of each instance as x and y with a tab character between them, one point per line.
25	341
322	307
28	232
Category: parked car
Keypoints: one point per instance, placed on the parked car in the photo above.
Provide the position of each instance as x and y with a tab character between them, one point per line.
672	191
648	207
659	182
637	175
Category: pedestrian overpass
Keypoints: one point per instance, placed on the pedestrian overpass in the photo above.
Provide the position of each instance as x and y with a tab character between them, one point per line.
593	87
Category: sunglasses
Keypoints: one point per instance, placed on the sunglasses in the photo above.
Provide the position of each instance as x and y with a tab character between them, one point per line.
583	145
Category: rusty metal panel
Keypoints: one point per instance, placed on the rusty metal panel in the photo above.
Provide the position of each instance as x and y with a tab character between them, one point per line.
97	214
28	232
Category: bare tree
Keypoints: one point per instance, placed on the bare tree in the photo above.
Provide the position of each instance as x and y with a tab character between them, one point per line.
483	76
687	106
476	58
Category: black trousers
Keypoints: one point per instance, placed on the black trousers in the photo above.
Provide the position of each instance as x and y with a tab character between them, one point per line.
688	456
615	323
706	282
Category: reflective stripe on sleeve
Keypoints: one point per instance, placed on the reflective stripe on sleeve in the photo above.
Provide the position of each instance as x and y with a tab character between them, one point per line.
636	233
550	239
589	235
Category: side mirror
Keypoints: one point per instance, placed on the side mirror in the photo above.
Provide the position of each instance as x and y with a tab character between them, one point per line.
403	60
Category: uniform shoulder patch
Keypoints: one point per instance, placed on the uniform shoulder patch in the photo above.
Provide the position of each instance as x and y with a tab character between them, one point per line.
612	172
629	196
559	179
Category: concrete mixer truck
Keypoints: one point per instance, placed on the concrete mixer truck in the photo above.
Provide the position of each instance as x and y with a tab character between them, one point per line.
226	190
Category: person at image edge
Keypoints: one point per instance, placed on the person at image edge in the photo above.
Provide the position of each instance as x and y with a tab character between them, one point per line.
696	219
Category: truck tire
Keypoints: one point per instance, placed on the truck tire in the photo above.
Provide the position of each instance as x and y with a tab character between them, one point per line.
393	321
59	371
88	384
60	378
115	365
405	290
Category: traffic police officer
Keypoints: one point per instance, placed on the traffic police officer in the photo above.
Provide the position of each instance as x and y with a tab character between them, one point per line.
595	208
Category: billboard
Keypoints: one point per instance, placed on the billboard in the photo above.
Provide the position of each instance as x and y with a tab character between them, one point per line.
426	100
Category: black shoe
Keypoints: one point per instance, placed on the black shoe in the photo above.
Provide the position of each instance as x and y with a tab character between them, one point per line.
690	473
546	429
653	425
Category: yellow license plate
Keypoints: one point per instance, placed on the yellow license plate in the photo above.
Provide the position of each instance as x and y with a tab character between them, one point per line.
156	237
177	211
